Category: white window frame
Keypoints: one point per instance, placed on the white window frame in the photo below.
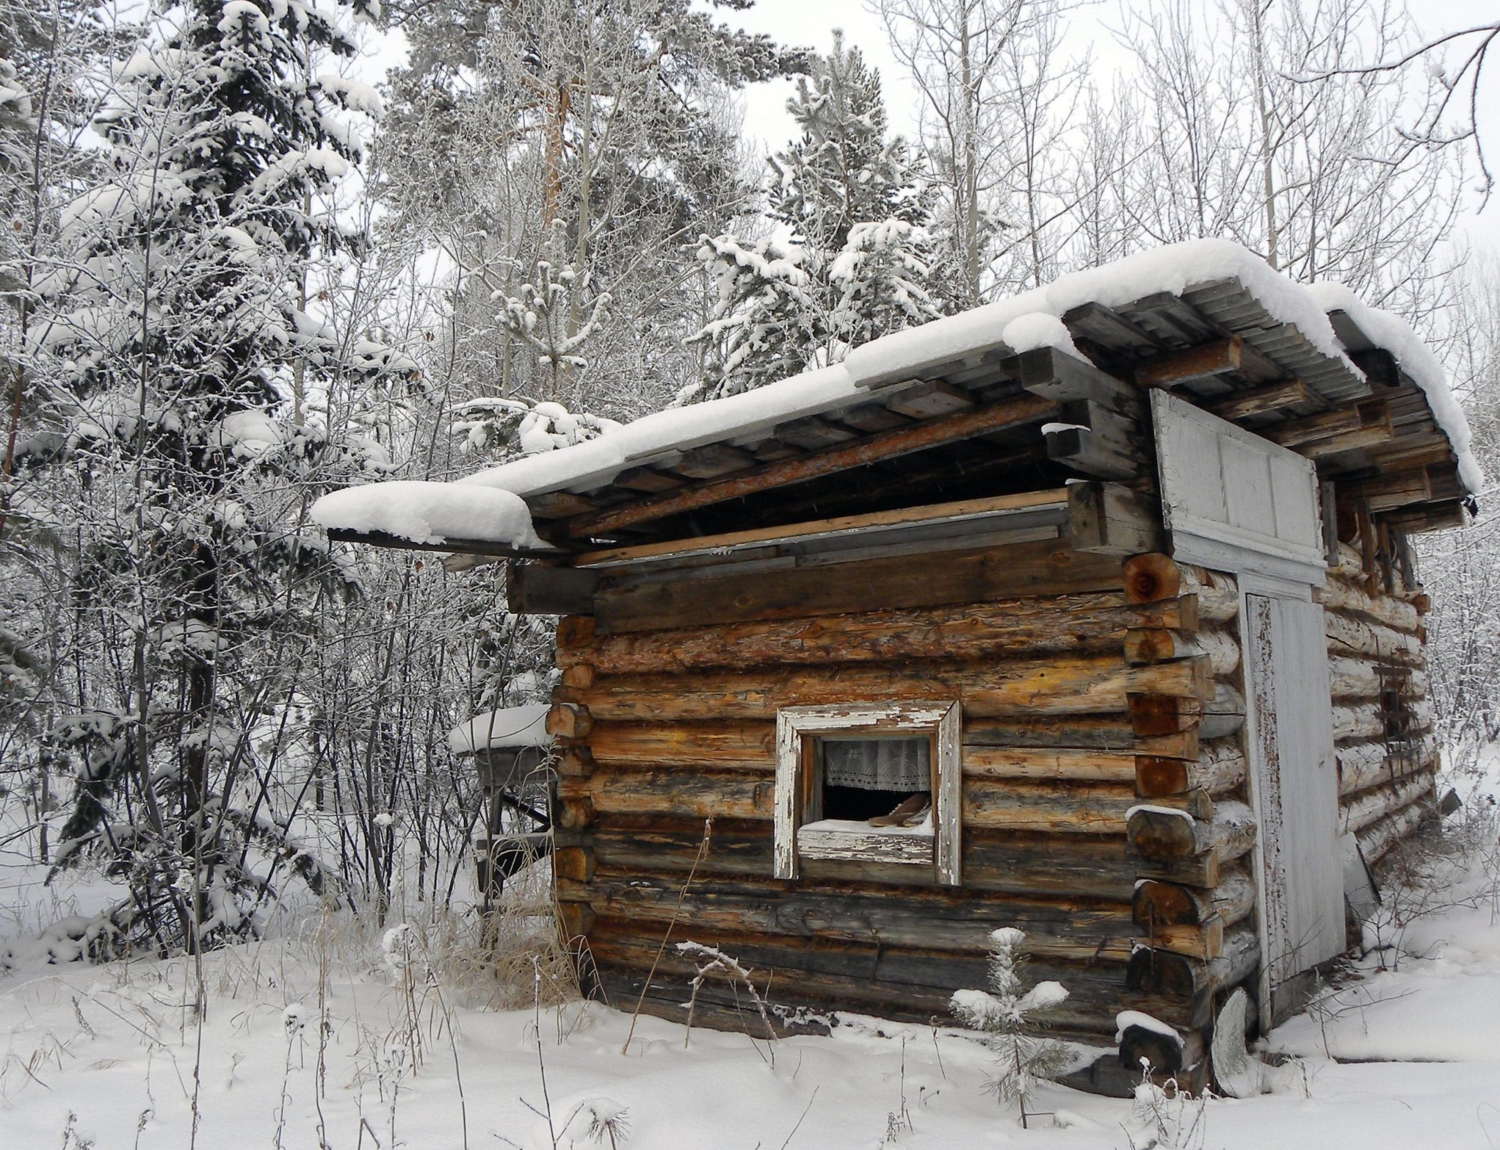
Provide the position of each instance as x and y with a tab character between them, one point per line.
941	850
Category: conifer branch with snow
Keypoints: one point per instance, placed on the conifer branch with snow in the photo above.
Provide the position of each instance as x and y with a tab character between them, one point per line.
1023	1059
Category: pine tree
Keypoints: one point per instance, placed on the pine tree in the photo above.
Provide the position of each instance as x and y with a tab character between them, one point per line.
854	262
179	334
1022	1058
611	120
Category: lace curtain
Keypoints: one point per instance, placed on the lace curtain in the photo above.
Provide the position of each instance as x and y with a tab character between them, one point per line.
878	764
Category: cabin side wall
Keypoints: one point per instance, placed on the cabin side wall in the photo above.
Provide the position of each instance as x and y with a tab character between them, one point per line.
1383	713
664	727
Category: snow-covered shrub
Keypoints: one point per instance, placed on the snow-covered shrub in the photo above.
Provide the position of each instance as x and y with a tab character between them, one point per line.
1023	1059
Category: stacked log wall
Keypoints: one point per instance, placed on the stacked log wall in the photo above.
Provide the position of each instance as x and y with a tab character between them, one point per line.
664	727
1195	893
1386	777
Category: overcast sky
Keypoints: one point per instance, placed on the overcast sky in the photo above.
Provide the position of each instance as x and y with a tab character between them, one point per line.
810	23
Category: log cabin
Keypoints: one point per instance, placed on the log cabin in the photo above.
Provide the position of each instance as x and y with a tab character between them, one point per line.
1109	587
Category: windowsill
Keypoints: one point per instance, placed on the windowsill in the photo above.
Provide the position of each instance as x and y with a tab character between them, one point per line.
861	827
850	841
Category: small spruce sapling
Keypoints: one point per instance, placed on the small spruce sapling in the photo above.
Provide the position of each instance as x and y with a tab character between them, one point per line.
1023	1057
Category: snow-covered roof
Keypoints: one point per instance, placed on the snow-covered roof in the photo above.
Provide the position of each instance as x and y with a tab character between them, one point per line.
524	726
1018	324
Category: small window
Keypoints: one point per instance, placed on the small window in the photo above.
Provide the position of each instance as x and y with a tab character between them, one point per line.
869	782
1398	719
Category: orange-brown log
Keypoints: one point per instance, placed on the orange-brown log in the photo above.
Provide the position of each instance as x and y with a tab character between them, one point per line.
576	762
1163	714
1087	622
578	675
574	863
1203	940
1078	684
575	631
1159	903
1219	770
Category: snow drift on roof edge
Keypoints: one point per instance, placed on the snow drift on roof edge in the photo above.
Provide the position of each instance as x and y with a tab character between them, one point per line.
1391	332
430	513
1175	268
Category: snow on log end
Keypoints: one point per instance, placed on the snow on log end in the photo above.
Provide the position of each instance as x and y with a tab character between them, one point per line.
1128	1018
430	513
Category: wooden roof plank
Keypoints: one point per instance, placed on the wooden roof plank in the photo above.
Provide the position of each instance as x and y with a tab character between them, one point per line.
1021	409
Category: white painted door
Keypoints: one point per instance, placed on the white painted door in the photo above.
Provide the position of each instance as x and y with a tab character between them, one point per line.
1232	500
1295	784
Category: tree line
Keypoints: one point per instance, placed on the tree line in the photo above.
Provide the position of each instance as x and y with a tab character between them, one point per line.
238	275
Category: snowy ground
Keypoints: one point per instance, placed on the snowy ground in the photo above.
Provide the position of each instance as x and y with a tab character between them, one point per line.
1406	1056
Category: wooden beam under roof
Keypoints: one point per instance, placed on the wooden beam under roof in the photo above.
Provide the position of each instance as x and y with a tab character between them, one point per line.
1362	415
1014	411
1205	360
1260	400
964	509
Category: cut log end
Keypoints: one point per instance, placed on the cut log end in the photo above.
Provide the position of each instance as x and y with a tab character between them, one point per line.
1156	776
1163	714
1168	904
1140	1044
1162	834
1151	577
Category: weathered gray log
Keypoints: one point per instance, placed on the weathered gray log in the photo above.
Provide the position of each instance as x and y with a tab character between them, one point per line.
1352	635
1341	595
1111	519
1366	765
1176	975
1376	840
1372	805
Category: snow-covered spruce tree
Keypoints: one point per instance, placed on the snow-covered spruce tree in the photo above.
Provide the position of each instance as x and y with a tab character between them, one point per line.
176	330
615	119
848	260
1022	1057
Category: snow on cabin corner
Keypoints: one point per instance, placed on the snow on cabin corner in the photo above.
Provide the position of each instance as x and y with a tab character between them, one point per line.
426	512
